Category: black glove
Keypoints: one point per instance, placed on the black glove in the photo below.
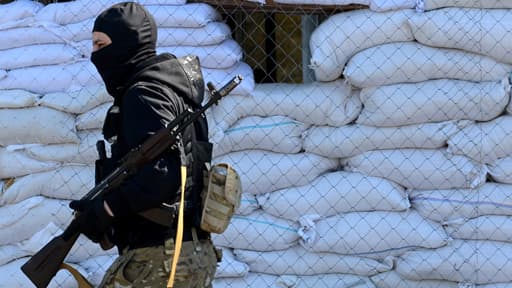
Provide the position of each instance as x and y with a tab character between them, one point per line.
92	218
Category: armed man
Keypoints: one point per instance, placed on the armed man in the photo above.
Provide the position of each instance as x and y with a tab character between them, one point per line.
149	91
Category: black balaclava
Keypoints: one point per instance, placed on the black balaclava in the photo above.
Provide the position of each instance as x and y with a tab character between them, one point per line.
133	33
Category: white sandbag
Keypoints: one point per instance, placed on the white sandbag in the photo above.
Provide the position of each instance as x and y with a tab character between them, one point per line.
264	171
248	204
18	163
37	55
370	234
64	77
350	140
433	101
219	77
333	103
335	193
342	35
10	252
36	125
419	168
501	170
386	5
12	276
212	33
486	227
18	9
162	2
323	2
230	266
456	28
410	62
258	231
484	142
17	98
94	118
447	205
83	153
223	55
189	15
10	38
479	262
76	102
279	134
23	219
72	12
261	280
96	267
298	261
3	74
67	182
391	279
435	4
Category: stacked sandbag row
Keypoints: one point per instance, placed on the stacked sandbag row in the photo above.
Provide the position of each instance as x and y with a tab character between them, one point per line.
52	108
435	120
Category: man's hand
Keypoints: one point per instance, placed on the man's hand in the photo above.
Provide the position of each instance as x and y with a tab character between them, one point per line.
93	218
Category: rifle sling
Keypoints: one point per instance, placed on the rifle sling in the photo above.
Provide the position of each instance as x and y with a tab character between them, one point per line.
80	279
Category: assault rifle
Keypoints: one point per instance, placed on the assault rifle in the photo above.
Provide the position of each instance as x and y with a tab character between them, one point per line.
43	265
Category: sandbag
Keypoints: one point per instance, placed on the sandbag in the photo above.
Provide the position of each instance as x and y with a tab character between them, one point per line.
482	4
258	231
189	15
248	204
486	227
219	77
433	101
501	170
63	77
371	234
279	134
38	55
350	140
17	163
32	35
70	182
211	34
477	30
292	281
25	218
76	102
386	5
230	266
479	262
18	10
323	2
12	276
342	35
484	142
17	98
94	118
419	168
36	125
335	193
72	12
391	279
452	204
298	261
334	104
410	62
264	171
83	153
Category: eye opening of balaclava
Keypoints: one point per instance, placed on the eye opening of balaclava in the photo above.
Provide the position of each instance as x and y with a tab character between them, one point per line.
133	32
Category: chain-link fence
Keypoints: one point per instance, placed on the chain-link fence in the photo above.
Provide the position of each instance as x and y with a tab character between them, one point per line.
373	137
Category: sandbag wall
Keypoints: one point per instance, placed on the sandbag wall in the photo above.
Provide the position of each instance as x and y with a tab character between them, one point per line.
394	166
52	108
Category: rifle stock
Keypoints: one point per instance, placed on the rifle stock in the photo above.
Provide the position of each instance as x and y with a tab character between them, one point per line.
44	265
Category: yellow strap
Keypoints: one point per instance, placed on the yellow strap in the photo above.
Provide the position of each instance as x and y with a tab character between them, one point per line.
80	279
179	233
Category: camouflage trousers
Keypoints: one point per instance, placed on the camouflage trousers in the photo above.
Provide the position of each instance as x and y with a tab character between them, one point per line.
150	267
